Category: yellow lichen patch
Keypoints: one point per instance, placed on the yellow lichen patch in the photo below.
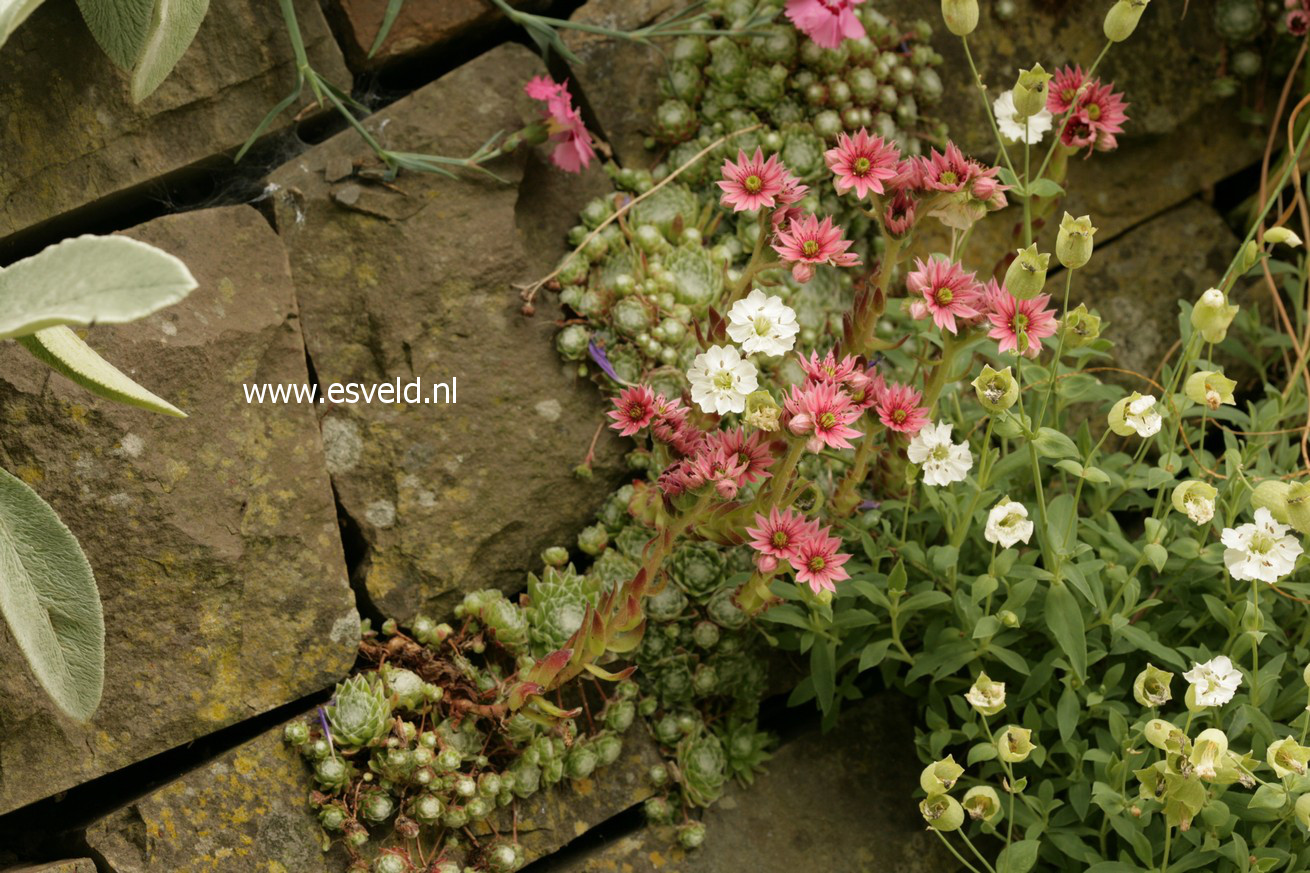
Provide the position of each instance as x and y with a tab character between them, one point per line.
584	787
31	475
579	827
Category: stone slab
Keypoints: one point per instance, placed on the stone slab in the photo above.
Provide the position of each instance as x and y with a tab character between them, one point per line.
841	801
71	136
214	539
421	26
76	865
415	279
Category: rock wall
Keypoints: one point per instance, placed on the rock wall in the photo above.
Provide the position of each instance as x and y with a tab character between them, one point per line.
225	544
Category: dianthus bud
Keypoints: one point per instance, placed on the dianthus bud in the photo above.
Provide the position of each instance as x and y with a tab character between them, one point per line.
942	812
1014	744
986	696
1073	242
1298	506
1195	499
1211	388
1271	494
1282	235
961	16
982	803
997	389
1212	314
762	411
1151	687
940	776
1080	327
1008	618
1026	275
1121	20
1030	91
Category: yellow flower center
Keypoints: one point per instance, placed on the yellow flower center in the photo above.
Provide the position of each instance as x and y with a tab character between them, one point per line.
753	183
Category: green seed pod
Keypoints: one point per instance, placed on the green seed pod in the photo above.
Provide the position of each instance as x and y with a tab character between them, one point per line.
1303	810
1080	327
1073	242
1151	687
1282	236
1298	506
940	777
1212	315
1030	91
997	390
360	712
942	812
1271	494
961	16
982	803
1121	20
1026	275
1209	388
1014	744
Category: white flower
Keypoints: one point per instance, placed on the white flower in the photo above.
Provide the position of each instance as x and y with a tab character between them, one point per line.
1199	509
762	323
942	461
1012	128
1263	550
1008	524
1215	682
1142	417
720	380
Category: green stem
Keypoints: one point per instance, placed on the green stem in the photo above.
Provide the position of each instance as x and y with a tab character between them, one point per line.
947	843
1047	547
1059	350
1027	197
968	842
962	529
987	105
1168	844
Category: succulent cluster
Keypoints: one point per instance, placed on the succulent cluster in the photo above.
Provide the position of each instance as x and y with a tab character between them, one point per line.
639	285
420	752
701	666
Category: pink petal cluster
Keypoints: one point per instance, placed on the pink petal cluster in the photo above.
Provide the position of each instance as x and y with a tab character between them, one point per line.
1019	325
827	22
573	149
898	407
827	368
808	241
792	192
862	162
823	412
1298	17
947	293
1098	112
812	552
753	182
726	459
634	409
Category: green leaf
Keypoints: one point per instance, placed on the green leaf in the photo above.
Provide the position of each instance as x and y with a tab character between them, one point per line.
89	279
14	13
1045	188
1065	620
1007	177
1268	796
173	25
1051	443
1156	554
1067	712
66	353
1091	474
388	19
119	26
49	599
1018	857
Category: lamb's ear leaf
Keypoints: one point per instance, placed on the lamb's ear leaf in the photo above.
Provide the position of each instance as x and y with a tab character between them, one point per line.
68	354
48	597
14	13
119	26
89	279
173	25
